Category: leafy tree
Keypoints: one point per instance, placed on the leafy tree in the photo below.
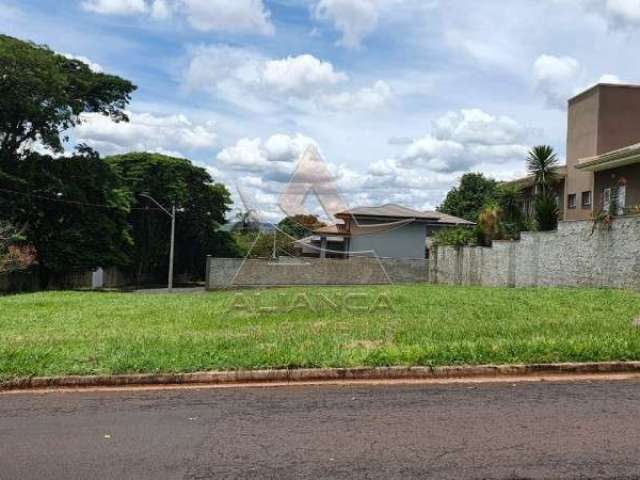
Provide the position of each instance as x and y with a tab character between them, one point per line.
509	201
44	94
260	244
467	200
300	226
70	208
73	211
202	206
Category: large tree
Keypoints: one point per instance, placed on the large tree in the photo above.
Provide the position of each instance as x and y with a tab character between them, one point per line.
467	200
202	206
72	211
43	94
70	207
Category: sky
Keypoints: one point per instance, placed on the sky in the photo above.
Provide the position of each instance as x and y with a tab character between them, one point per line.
401	97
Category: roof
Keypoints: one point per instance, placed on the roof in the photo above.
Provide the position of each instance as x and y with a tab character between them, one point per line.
389	210
615	158
390	216
399	212
529	180
599	86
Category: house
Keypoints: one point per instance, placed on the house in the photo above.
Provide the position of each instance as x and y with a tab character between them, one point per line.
603	154
388	231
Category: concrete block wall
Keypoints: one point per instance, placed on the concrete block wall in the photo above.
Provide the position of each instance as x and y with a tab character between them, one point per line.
573	256
233	272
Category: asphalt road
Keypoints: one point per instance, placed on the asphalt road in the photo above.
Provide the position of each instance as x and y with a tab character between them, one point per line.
497	431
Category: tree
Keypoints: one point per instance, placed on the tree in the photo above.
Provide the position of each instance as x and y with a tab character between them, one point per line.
509	200
542	164
69	208
467	200
44	94
73	211
202	206
299	226
490	224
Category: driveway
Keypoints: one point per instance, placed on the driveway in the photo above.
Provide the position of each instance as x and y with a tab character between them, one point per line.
576	430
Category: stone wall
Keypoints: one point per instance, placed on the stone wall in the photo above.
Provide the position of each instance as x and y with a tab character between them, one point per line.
572	256
232	272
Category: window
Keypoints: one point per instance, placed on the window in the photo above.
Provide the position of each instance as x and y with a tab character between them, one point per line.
586	199
571	200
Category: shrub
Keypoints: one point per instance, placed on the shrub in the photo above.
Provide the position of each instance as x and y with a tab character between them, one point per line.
457	237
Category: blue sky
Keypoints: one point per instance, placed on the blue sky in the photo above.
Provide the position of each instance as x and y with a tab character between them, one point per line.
400	96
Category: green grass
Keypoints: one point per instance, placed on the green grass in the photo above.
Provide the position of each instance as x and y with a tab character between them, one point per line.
99	333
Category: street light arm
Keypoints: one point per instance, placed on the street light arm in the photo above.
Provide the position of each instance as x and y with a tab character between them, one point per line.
157	203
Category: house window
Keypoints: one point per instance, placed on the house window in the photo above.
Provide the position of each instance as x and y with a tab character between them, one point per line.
586	199
571	200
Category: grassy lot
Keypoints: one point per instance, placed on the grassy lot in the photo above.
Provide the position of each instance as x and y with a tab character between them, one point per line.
95	333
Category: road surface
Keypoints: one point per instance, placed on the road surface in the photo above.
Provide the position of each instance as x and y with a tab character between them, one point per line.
497	431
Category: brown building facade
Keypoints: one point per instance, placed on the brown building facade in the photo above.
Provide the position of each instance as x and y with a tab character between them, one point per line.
603	140
603	154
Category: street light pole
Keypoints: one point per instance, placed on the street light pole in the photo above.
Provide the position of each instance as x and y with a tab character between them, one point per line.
171	214
171	249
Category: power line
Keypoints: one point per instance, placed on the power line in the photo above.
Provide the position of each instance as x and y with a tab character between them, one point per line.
71	202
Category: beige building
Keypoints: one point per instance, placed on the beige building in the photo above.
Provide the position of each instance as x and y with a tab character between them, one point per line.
603	153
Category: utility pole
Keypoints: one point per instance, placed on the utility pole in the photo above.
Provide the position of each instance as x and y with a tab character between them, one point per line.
171	214
171	249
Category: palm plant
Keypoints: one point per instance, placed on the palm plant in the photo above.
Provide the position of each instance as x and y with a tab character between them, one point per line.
546	212
542	164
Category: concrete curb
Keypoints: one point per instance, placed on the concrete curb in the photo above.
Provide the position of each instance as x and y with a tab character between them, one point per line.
320	375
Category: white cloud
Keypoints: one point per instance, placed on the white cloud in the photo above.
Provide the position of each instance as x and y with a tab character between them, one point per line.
555	78
461	140
469	140
274	157
225	15
367	98
299	75
610	78
255	82
476	126
115	7
627	11
146	132
203	15
95	67
354	19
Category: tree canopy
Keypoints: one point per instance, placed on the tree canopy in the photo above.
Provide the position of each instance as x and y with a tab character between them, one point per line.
299	226
73	212
202	205
44	94
470	197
